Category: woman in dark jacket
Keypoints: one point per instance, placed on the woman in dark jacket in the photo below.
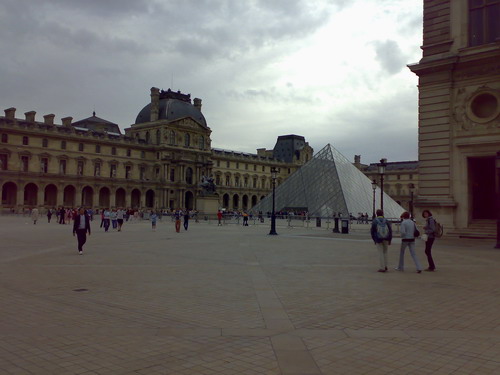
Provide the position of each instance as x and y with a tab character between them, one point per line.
429	228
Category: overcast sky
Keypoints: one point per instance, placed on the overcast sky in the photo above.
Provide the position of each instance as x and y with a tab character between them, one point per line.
333	71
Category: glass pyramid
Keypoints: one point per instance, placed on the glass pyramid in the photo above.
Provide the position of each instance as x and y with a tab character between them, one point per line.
326	185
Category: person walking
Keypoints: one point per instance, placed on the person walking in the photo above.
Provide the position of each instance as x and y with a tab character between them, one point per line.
81	226
245	219
34	215
105	219
114	218
186	219
381	232
153	217
177	216
49	215
219	218
120	214
62	214
407	230
429	229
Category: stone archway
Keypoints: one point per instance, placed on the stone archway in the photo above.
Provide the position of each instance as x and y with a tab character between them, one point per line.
30	194
104	197
9	194
69	196
136	198
150	198
245	202
189	200
50	195
87	197
254	200
225	201
121	200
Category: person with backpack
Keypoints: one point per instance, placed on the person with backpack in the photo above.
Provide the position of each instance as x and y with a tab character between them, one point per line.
381	232
408	232
430	230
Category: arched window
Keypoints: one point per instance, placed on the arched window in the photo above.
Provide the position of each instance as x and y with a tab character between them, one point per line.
201	142
171	138
189	176
187	140
45	142
5	138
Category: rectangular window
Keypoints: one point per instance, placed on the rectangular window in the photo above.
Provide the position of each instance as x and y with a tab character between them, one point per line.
44	165
129	152
484	25
112	171
157	156
237	165
113	150
127	172
411	177
157	173
143	154
98	149
80	146
228	164
255	167
26	141
263	168
25	163
79	168
399	177
254	183
228	181
45	142
218	163
63	145
3	162
5	138
142	174
97	169
172	174
246	166
62	166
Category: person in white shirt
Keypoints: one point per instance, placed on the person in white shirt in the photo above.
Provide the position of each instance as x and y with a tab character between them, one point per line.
407	231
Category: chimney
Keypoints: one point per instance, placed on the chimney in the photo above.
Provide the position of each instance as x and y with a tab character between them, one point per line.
49	119
10	113
357	159
30	116
66	121
155	103
197	103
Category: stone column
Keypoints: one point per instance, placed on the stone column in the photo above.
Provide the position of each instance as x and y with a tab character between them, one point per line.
112	197
60	196
20	195
128	199
78	196
143	200
40	197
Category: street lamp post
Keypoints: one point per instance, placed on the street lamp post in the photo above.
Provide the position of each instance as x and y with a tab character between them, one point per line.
273	215
411	187
374	187
497	172
381	171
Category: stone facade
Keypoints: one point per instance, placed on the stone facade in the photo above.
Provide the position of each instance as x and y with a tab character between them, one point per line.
459	112
158	163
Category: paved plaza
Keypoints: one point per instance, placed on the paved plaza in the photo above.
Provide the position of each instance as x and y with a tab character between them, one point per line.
233	300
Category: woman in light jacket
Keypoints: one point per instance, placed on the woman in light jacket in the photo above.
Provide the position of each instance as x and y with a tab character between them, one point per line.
429	228
407	230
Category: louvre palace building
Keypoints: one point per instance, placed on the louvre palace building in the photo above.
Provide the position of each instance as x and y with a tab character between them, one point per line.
158	163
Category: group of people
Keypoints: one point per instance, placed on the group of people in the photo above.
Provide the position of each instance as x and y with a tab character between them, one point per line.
381	232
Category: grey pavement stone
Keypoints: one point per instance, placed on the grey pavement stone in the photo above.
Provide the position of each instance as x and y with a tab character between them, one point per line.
233	300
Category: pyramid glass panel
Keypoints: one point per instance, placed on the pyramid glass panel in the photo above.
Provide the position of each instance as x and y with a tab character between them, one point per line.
326	185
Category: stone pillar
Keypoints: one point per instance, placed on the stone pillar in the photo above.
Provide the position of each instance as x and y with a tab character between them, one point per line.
143	200
40	196
95	199
112	198
78	196
66	121
60	196
128	199
20	195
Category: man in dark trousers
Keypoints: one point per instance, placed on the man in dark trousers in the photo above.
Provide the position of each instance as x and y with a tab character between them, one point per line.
80	227
186	219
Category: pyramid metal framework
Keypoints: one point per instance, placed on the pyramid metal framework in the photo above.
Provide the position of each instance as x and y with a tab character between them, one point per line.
326	185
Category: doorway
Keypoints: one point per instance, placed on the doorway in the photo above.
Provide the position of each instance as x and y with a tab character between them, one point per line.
482	187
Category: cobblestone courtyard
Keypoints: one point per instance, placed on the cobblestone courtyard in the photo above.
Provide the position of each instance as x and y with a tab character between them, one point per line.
233	300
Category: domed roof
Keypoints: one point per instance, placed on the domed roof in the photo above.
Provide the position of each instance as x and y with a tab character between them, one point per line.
172	106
